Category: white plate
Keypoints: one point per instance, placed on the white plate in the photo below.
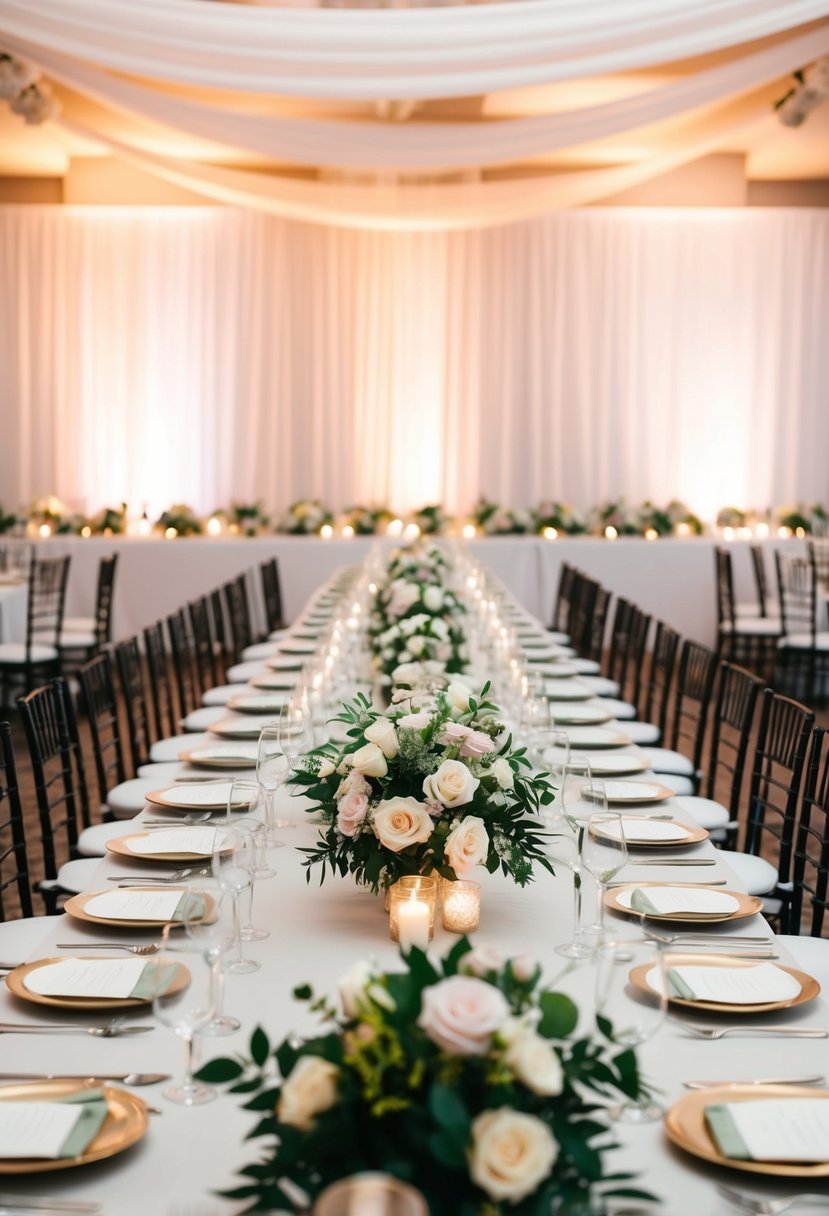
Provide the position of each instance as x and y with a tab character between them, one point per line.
259	704
288	663
567	690
198	794
280	682
587	737
632	791
700	901
247	727
223	755
649	831
296	646
566	714
605	764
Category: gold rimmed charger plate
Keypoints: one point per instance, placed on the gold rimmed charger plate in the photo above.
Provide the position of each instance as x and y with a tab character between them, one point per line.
285	663
809	987
278	682
121	847
16	984
292	646
192	757
749	905
124	1125
76	908
236	728
686	1128
267	705
693	835
212	802
625	793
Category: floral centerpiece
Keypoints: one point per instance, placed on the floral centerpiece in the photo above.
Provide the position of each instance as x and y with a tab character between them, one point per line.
245	518
432	785
182	518
432	520
680	513
366	521
110	521
561	516
495	520
616	515
731	517
804	519
463	1078
304	517
8	521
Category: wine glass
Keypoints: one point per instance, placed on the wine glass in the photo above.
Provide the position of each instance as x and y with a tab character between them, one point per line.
574	814
185	1010
255	830
535	724
208	921
251	798
627	1017
233	863
604	849
556	757
271	771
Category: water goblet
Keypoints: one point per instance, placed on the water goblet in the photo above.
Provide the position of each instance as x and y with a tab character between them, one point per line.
271	772
627	1017
214	935
255	830
185	1010
233	863
251	798
574	814
604	849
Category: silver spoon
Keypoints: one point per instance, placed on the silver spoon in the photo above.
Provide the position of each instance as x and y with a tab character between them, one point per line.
140	950
771	1207
125	1078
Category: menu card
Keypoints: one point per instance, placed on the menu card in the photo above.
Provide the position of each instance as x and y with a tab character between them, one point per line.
197	840
51	1129
755	985
667	901
778	1129
136	905
116	978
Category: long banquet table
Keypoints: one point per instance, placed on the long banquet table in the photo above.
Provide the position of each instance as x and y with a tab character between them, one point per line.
316	933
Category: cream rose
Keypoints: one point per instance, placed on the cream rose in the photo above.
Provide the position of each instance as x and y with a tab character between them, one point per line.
351	811
467	845
309	1089
461	1014
512	1154
417	645
414	721
325	769
400	822
503	774
535	1064
459	694
370	761
481	960
353	987
382	733
433	599
453	784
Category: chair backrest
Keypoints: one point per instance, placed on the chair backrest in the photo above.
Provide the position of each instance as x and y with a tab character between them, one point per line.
48	720
104	600
797	591
220	630
819	553
692	699
725	587
731	725
47	597
134	692
810	867
14	867
628	642
272	595
184	666
207	659
585	592
100	704
561	607
592	641
777	770
162	695
656	699
758	566
238	616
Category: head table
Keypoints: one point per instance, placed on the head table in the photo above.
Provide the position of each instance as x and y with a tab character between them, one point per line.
316	933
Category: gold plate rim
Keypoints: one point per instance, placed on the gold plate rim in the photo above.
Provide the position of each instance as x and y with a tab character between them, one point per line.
698	1142
122	1108
688	918
156	797
236	704
809	986
75	907
695	836
661	794
15	982
189	757
243	730
120	846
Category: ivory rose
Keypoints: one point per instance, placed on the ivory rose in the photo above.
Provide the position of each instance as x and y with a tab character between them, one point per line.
481	960
535	1064
459	694
453	784
352	986
351	811
461	1014
503	774
353	783
325	769
382	733
400	822
309	1089
433	598
512	1154
467	845
414	721
370	761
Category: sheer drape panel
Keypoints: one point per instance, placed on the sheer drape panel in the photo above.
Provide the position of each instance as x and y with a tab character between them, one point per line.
202	354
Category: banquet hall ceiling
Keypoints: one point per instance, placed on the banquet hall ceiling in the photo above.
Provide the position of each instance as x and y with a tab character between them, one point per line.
772	151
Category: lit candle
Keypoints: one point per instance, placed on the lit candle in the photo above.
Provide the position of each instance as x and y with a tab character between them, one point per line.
44	530
469	531
411	532
395	527
326	531
461	906
144	526
683	529
784	533
348	531
610	532
550	533
86	531
800	533
413	924
728	533
761	531
171	533
214	526
651	534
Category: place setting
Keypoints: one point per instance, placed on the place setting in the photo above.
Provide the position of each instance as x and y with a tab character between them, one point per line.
221	756
149	904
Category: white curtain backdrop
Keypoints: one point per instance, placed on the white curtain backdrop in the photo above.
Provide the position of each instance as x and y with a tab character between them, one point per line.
200	354
452	51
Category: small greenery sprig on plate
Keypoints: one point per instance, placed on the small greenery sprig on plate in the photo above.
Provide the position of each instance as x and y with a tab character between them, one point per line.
432	785
460	1076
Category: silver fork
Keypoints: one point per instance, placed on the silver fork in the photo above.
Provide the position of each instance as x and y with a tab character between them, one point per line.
140	950
112	1029
718	1032
771	1207
708	939
131	880
188	821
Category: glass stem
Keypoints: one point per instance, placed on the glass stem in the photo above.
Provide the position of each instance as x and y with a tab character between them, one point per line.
237	930
600	890
217	987
187	1080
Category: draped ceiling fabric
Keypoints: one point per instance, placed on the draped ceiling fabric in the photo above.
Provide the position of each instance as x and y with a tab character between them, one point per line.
202	354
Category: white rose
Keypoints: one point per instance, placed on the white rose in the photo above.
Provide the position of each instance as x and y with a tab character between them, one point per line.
382	733
452	784
481	960
417	645
370	761
418	721
308	1090
512	1154
523	968
461	1014
467	845
503	774
535	1064
413	623
353	986
399	822
325	769
459	694
433	599
440	629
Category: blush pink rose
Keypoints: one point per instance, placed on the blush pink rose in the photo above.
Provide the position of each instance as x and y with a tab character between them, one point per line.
351	811
473	743
461	1014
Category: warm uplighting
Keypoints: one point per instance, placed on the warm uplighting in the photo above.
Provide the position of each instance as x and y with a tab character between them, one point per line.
800	533
469	531
683	529
550	533
171	533
651	534
610	532
348	531
411	532
86	532
728	533
44	530
326	531
214	526
761	531
784	533
395	527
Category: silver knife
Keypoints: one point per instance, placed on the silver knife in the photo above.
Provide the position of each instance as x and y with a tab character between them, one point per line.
39	1203
816	1079
126	1078
674	861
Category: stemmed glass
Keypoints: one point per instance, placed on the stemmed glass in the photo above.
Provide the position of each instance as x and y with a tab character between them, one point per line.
185	1010
255	830
573	773
604	848
556	758
251	799
271	771
213	934
535	723
626	1017
233	863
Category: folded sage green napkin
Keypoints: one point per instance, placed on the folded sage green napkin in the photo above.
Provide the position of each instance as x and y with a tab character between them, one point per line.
196	905
154	981
677	986
727	1138
640	903
89	1122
